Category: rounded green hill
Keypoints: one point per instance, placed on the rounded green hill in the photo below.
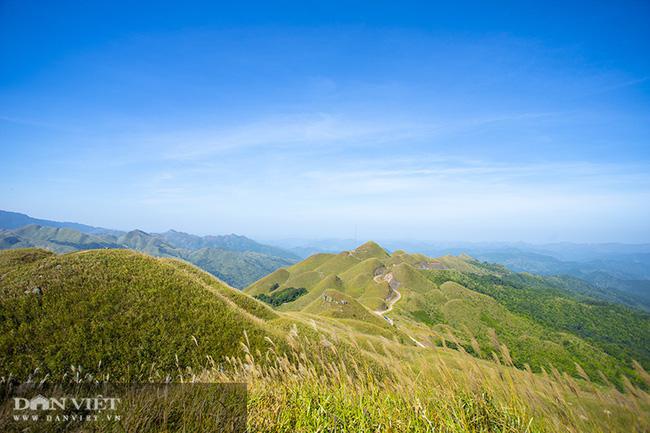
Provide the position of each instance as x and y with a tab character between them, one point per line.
118	312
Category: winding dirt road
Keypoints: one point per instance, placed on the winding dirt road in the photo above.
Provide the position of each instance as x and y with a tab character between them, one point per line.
393	284
390	303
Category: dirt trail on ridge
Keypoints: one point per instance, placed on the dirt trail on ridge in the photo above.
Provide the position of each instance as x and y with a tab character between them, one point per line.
391	300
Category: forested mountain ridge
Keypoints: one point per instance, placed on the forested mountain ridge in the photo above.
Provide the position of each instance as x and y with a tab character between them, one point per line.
235	259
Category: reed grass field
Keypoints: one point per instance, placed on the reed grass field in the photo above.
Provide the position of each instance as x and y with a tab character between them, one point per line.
316	388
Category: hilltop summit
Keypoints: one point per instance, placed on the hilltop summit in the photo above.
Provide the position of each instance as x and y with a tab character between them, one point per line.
175	314
370	249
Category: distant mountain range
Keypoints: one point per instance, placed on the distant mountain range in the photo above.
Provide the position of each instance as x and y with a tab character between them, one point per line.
14	220
615	272
235	259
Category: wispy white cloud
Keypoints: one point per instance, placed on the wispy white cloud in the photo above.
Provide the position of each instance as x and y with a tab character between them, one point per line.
289	131
311	133
410	195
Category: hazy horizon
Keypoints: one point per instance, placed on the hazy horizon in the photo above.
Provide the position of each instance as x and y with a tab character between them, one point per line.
366	122
341	243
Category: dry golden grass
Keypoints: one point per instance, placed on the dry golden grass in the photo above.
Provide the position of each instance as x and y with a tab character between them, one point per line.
330	383
317	388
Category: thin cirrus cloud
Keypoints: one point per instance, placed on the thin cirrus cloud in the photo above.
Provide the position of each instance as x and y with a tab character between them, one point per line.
383	193
284	132
322	131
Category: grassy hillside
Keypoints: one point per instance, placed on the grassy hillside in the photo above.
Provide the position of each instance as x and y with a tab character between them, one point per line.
620	332
458	302
340	306
333	365
117	312
425	390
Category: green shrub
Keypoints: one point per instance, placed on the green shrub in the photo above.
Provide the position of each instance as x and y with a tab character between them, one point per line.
288	294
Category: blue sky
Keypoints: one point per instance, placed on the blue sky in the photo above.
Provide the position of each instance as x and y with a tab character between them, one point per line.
406	120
